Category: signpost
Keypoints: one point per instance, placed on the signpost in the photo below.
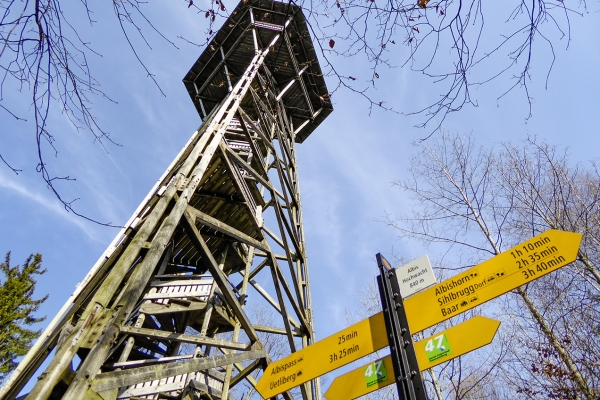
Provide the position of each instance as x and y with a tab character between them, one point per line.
515	267
439	348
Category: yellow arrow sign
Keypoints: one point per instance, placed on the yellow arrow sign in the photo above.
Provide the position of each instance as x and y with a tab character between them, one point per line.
515	267
441	347
350	344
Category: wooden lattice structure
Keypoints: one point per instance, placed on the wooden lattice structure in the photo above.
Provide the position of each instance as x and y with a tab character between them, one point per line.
163	312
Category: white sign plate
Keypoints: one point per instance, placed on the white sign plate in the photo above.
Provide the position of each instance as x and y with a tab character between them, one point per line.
415	276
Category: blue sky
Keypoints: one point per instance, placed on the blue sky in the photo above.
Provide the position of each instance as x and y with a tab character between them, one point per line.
346	166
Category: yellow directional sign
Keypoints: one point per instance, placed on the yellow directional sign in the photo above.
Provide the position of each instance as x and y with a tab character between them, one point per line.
350	344
522	264
441	347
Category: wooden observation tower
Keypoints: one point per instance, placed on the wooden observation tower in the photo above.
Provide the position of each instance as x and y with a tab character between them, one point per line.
165	313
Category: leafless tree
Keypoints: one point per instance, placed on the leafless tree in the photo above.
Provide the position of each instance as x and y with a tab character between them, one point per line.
45	56
458	45
547	193
480	202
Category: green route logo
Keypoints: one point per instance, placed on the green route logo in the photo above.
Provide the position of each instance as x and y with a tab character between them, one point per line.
375	373
437	347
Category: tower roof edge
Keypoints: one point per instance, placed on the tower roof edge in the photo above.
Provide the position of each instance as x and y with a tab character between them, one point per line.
291	63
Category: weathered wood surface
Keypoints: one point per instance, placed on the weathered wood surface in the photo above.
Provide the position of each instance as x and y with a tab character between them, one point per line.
182	337
128	377
228	230
214	393
220	279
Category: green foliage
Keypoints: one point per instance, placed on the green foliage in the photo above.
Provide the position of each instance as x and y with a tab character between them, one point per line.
16	309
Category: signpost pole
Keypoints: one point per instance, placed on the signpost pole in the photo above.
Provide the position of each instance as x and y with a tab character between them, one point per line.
404	359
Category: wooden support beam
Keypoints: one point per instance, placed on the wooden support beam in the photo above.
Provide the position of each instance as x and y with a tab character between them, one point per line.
238	161
226	229
233	199
286	154
288	291
277	331
272	301
277	256
284	313
154	308
245	372
253	273
293	234
299	294
205	388
252	141
182	337
219	277
290	49
274	237
151	361
258	101
128	377
247	120
240	185
223	313
264	181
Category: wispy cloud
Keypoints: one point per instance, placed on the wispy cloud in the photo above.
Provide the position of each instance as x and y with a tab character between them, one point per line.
18	188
